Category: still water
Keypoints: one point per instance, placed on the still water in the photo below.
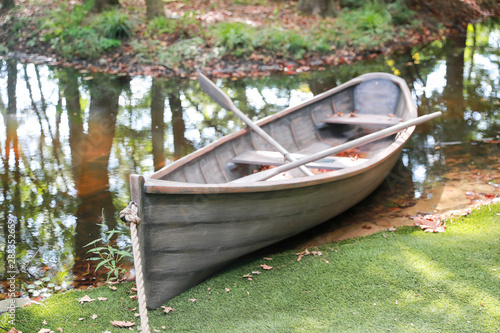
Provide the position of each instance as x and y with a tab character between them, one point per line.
69	140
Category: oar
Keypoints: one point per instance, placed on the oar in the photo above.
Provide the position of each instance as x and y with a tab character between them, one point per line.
263	175
223	100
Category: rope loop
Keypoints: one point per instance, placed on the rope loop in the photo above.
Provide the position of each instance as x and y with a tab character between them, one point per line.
130	214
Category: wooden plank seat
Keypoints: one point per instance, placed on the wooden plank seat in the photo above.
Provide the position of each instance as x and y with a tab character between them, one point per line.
362	119
274	158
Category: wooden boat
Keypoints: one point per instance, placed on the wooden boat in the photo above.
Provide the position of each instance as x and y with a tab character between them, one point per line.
198	214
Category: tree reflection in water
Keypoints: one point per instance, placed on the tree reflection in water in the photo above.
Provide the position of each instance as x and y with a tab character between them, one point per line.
69	140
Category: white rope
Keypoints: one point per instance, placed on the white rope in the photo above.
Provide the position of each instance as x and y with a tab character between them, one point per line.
130	215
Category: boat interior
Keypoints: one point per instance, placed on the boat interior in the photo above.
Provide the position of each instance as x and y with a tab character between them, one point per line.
331	119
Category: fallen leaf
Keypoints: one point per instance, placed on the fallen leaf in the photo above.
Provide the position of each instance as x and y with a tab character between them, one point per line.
325	260
268	258
45	330
94	316
255	272
123	324
392	229
167	309
13	330
81	319
429	223
60	329
266	267
113	288
137	315
134	297
86	299
192	299
102	299
227	290
44	322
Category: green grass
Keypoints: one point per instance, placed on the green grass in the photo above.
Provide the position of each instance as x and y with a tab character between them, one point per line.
403	281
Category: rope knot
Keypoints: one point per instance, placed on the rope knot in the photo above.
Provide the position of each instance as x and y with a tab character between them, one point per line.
130	214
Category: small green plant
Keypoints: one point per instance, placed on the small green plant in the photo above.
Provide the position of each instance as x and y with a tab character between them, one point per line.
108	255
114	24
162	25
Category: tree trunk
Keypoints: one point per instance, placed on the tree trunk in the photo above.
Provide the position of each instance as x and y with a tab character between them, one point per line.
320	7
8	4
158	123
100	5
154	8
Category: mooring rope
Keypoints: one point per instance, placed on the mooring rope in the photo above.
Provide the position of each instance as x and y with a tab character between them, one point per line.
130	215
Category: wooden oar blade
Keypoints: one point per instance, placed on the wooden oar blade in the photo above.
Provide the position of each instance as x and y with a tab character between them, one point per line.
215	92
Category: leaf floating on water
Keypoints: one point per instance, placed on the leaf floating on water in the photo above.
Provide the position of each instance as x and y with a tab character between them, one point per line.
122	324
266	267
86	299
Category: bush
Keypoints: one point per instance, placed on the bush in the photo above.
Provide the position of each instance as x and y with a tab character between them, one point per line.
114	24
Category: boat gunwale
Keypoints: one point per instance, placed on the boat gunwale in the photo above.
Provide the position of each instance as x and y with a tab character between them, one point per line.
155	185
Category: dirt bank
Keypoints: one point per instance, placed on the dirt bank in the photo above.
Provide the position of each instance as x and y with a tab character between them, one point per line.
23	36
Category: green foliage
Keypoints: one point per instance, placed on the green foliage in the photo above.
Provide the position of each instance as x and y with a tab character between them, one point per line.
237	38
75	34
162	25
400	13
108	255
114	24
241	39
184	27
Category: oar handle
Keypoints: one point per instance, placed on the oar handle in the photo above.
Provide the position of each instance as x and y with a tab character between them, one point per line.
263	175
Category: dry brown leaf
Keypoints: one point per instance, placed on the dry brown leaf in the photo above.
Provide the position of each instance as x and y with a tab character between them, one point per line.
227	290
123	324
268	258
102	299
44	322
430	223
266	267
81	319
113	288
13	330
167	309
94	316
45	330
134	297
60	329
192	299
86	299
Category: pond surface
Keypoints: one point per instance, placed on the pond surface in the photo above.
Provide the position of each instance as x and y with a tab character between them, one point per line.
69	140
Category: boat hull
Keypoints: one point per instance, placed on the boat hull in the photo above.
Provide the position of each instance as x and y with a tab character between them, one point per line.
186	238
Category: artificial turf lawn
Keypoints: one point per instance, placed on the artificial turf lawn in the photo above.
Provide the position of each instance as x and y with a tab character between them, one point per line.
401	281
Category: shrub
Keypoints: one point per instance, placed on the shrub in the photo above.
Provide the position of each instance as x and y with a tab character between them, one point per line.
114	24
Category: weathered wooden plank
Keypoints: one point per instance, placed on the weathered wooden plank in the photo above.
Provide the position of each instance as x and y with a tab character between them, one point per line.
362	119
274	158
